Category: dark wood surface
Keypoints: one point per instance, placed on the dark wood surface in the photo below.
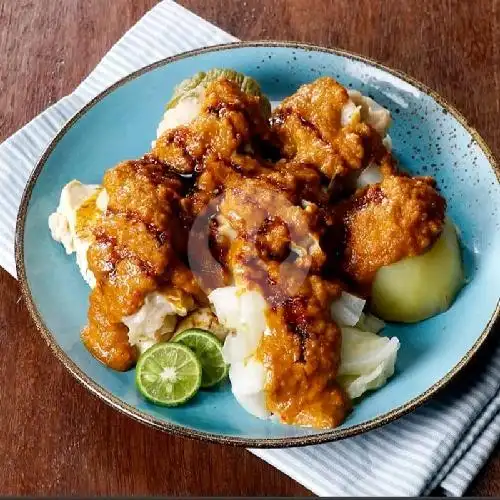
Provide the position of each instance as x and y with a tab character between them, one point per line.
55	438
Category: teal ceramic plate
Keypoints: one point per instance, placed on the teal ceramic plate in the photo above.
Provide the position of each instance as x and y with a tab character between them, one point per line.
429	136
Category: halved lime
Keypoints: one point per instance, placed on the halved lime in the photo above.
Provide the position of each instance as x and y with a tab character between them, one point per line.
168	374
208	349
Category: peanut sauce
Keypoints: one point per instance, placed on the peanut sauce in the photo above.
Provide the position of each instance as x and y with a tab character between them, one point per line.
299	232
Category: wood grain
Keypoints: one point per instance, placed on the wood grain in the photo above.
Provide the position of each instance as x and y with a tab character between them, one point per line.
55	437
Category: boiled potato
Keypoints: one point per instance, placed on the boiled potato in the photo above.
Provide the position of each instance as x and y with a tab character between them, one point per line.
417	288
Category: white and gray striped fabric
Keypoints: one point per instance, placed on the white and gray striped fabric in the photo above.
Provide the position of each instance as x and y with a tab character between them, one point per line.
441	445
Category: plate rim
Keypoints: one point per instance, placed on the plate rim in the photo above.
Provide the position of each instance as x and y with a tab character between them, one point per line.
95	389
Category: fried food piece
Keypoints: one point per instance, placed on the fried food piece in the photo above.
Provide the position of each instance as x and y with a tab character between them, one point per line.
313	129
106	337
142	188
133	254
298	181
228	123
301	351
383	223
108	343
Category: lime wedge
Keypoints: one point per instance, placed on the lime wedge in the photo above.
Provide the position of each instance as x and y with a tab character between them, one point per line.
168	374
208	349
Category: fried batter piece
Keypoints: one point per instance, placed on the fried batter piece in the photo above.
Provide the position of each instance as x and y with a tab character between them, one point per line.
262	213
400	217
229	122
302	357
273	246
133	254
301	352
311	128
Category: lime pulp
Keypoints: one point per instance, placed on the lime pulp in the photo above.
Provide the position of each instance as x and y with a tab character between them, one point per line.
168	374
208	349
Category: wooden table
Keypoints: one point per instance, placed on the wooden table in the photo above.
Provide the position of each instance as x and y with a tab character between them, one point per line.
55	437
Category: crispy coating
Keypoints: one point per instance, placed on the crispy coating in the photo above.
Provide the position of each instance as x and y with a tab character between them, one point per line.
144	188
302	351
227	124
133	254
383	223
309	125
106	339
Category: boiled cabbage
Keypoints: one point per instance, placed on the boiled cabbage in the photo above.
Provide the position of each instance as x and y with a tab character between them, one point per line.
417	288
367	361
347	309
370	323
186	101
247	384
192	87
370	175
243	312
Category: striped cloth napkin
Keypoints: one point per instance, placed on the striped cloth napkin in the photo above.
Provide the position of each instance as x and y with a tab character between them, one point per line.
441	445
